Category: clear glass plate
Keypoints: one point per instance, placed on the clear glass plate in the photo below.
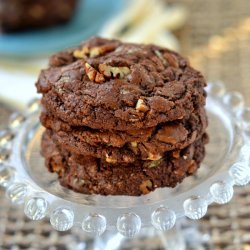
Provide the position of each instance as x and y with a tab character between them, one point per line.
226	164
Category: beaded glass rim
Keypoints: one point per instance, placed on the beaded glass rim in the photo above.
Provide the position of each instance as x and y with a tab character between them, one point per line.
128	221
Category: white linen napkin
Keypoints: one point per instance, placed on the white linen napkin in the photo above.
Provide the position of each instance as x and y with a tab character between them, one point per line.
16	88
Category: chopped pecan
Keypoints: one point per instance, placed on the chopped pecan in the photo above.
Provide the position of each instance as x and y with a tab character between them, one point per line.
110	71
185	157
153	164
154	157
53	167
134	147
134	144
172	134
81	53
180	173
93	52
172	60
192	167
99	78
93	74
161	57
141	106
90	71
101	50
110	159
176	154
146	186
96	51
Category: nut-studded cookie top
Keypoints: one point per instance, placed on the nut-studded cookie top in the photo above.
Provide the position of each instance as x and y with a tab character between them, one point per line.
114	85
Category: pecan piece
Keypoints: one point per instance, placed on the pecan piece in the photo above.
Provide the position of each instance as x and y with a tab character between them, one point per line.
92	52
99	78
141	106
134	144
172	60
134	147
93	74
161	57
110	71
176	154
192	167
154	157
153	164
146	186
185	157
81	53
110	159
101	50
172	134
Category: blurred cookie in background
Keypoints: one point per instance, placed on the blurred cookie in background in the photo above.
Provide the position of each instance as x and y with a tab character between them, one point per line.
19	15
87	18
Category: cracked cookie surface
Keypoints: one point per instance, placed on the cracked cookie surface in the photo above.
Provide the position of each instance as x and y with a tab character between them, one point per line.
123	87
20	15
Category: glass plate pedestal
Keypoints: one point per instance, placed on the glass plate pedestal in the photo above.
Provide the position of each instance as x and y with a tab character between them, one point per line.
120	218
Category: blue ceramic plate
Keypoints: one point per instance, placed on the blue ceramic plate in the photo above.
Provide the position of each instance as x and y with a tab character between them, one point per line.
89	18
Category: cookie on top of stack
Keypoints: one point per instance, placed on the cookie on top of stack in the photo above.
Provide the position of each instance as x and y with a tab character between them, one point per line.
122	119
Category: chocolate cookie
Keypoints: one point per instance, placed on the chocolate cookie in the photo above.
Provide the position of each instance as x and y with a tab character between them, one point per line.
107	84
122	119
93	176
122	147
17	15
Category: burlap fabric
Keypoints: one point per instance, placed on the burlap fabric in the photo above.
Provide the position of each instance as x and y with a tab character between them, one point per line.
217	41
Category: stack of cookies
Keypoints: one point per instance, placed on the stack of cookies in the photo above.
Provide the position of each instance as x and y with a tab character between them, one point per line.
122	119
